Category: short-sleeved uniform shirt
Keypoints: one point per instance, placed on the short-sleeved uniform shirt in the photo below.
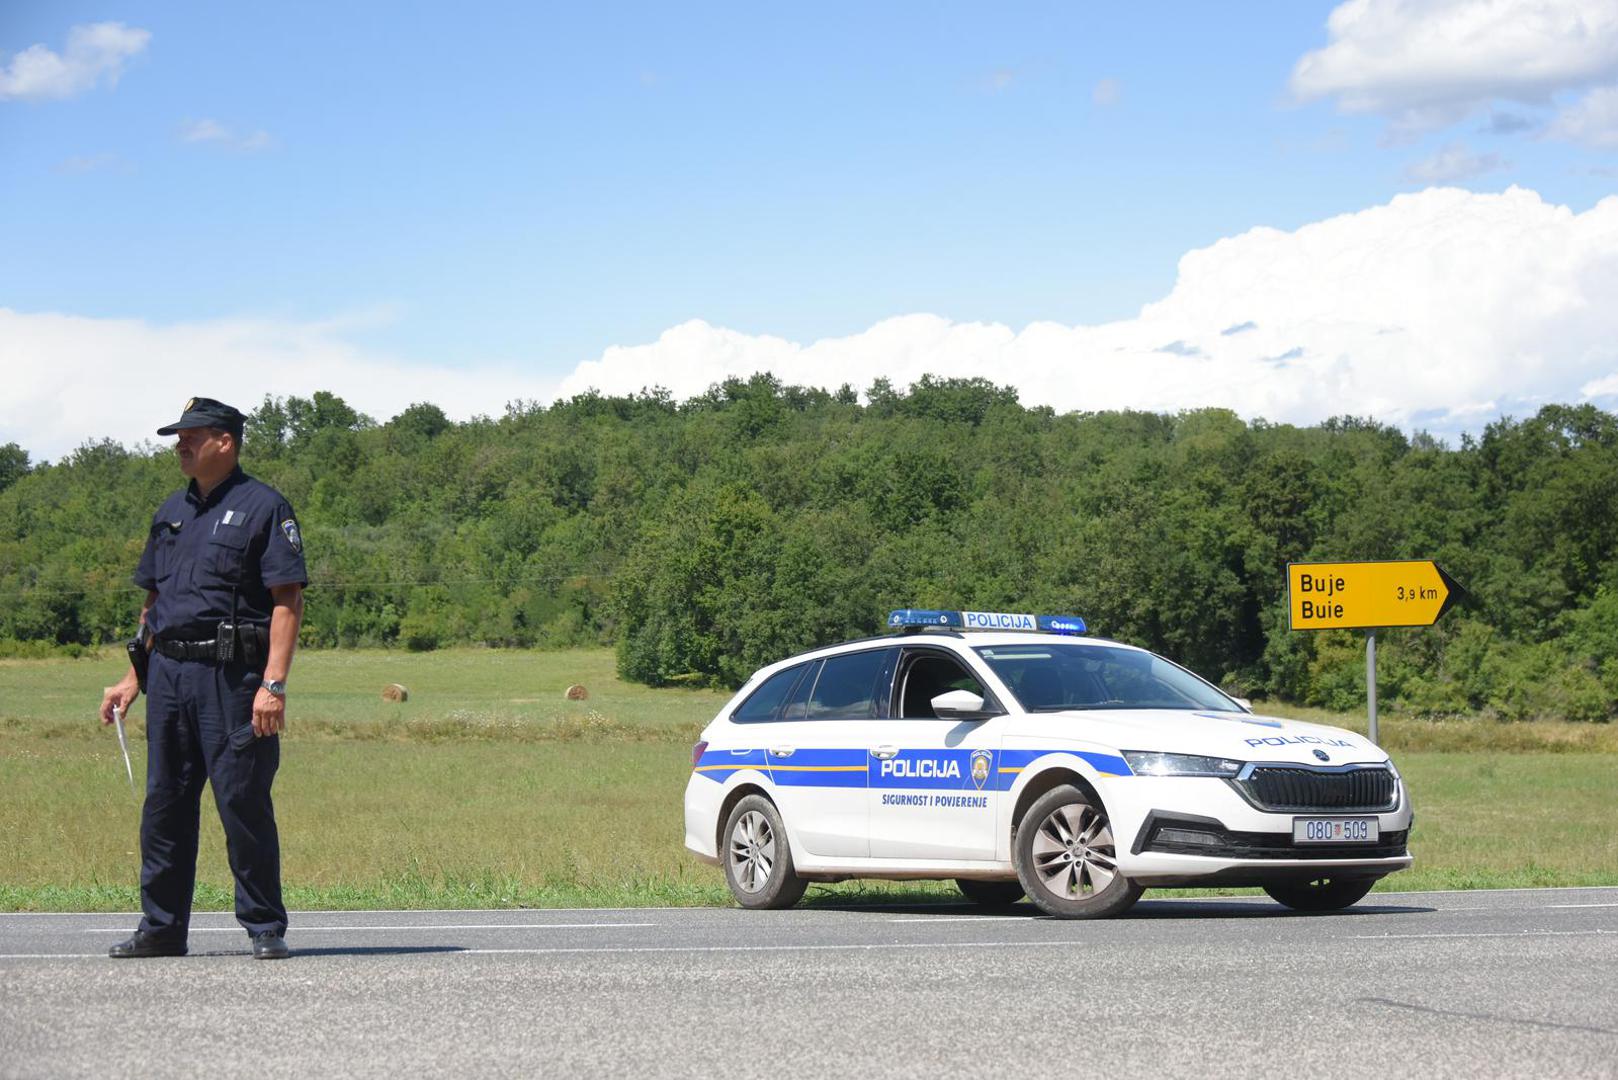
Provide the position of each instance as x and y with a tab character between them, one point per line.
242	540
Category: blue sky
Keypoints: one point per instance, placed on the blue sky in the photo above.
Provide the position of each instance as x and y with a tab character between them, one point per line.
506	189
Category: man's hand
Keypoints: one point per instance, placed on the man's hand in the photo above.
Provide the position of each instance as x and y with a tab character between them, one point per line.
269	713
122	695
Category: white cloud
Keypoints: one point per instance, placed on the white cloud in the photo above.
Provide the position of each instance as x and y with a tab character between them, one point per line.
203	131
1426	64
71	379
217	134
995	82
95	52
1593	120
1453	163
1107	92
1439	309
1435	309
90	163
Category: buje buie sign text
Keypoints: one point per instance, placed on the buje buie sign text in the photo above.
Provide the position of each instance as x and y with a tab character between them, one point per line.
1368	595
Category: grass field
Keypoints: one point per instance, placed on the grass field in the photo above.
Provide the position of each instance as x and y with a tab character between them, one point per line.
487	788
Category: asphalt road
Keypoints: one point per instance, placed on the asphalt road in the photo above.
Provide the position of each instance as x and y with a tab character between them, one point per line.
1509	983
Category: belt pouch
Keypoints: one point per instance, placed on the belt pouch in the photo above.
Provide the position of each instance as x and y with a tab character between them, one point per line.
255	645
138	659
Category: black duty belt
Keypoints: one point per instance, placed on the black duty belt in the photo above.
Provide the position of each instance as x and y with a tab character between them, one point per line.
187	650
248	643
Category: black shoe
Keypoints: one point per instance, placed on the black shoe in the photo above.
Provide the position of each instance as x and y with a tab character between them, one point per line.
270	946
143	945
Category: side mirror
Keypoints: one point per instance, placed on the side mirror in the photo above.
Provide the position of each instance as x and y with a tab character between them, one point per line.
1244	703
960	705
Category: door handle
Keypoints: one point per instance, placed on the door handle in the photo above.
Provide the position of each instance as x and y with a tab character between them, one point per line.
884	752
783	751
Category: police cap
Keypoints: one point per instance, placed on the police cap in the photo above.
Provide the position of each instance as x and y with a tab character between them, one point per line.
206	412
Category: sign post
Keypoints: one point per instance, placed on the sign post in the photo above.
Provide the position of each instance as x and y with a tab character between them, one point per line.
1368	596
1370	680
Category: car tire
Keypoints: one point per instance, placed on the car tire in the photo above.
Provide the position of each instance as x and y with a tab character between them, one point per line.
757	857
1321	894
990	894
1066	859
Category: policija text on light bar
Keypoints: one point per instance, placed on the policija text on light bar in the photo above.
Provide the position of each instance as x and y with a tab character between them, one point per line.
920	618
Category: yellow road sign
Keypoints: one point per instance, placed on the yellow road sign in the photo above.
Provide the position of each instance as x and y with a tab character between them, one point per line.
1368	595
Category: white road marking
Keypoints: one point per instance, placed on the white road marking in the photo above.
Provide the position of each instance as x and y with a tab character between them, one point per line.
850	947
52	956
1505	934
300	928
967	918
399	911
706	910
1579	905
638	949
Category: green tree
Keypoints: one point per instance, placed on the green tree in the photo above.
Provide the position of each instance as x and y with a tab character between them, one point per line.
13	464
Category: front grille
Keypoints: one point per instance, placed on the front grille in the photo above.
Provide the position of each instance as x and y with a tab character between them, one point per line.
1292	788
1221	843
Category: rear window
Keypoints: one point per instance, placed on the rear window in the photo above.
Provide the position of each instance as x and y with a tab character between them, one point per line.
847	688
765	702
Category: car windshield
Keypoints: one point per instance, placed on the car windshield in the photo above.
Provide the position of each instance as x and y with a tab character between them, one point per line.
1061	676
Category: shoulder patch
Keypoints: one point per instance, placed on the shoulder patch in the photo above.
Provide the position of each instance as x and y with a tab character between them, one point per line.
290	528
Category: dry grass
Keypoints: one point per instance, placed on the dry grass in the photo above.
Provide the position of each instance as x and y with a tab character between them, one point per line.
488	788
479	694
1401	734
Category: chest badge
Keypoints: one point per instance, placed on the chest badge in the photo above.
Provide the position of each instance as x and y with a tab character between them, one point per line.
290	528
980	768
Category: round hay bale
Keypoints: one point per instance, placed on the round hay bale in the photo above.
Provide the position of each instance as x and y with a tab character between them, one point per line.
577	692
395	692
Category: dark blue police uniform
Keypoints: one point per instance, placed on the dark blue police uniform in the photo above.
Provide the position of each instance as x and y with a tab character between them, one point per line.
211	560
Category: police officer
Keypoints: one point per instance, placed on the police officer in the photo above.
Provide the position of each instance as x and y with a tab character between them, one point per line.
224	574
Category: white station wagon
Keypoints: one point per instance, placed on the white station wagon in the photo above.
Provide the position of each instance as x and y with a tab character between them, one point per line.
1018	757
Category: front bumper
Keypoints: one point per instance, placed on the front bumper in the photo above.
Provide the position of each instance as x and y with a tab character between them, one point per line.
1236	843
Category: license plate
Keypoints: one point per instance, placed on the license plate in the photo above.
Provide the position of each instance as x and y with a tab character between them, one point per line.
1322	830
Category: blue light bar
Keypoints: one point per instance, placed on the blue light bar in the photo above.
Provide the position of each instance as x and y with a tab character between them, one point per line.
918	618
1061	624
914	618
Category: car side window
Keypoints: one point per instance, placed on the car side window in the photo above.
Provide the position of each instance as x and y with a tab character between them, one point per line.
926	675
847	686
797	705
765	702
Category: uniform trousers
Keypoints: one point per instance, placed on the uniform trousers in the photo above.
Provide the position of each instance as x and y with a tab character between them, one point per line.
199	729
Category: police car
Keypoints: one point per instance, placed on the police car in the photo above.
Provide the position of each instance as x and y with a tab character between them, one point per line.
1019	757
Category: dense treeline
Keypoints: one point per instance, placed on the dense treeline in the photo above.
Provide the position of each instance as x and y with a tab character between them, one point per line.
706	537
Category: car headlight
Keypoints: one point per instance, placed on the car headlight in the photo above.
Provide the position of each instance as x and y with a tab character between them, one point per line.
1153	763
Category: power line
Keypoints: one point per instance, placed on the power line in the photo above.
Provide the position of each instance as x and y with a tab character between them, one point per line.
548	579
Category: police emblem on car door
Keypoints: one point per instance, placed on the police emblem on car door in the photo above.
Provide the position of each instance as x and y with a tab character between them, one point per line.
981	760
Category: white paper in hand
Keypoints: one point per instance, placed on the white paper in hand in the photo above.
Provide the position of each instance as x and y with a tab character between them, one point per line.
123	744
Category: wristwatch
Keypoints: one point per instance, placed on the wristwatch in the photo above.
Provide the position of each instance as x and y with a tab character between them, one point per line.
278	687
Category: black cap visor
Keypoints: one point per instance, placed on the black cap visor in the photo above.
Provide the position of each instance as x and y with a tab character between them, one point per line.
187	422
206	413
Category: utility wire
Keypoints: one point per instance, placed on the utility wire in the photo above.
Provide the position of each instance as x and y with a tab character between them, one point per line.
550	579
